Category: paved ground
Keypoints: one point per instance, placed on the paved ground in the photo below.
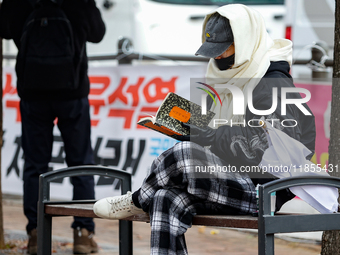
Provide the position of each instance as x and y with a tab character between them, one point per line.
200	240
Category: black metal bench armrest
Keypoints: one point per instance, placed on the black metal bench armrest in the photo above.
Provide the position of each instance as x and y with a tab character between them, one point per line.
269	225
45	221
45	179
266	189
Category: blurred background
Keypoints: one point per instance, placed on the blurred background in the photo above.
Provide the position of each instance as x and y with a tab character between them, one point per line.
173	27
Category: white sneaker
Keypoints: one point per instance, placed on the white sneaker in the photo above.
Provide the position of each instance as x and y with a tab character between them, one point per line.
118	207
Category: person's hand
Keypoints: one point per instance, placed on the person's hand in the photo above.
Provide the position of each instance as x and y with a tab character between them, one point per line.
201	135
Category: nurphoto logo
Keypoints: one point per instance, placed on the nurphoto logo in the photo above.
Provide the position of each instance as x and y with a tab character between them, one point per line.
239	101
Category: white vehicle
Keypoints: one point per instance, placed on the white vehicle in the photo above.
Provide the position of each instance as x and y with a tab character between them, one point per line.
309	22
170	27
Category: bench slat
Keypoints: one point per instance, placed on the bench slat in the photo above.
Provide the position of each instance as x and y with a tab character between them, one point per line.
85	210
80	210
230	221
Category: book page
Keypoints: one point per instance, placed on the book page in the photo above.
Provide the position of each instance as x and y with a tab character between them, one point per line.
151	118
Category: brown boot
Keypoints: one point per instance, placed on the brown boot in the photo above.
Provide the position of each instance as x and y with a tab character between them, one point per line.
32	242
83	242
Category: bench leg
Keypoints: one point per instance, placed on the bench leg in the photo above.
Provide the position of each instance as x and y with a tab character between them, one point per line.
125	237
266	244
44	235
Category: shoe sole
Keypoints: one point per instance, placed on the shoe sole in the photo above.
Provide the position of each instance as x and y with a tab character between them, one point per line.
84	249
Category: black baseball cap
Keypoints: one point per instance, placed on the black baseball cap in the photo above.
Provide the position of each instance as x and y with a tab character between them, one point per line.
218	37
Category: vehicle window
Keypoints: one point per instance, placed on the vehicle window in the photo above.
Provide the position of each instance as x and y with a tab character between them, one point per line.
221	2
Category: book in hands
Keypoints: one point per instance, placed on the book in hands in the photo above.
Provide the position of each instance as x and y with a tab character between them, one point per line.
174	110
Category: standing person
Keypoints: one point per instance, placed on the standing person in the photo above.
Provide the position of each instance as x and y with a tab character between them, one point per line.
51	87
242	55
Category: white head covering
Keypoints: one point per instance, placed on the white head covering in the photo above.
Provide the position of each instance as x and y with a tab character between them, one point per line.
254	50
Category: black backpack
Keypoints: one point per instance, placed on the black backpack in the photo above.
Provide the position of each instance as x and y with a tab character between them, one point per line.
46	59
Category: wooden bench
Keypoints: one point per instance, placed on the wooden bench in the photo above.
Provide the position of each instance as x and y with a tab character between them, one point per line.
266	224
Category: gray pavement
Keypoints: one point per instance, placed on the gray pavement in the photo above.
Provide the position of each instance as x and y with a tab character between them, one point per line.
200	240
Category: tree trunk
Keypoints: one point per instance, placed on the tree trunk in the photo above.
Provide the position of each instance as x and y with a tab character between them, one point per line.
331	239
2	239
